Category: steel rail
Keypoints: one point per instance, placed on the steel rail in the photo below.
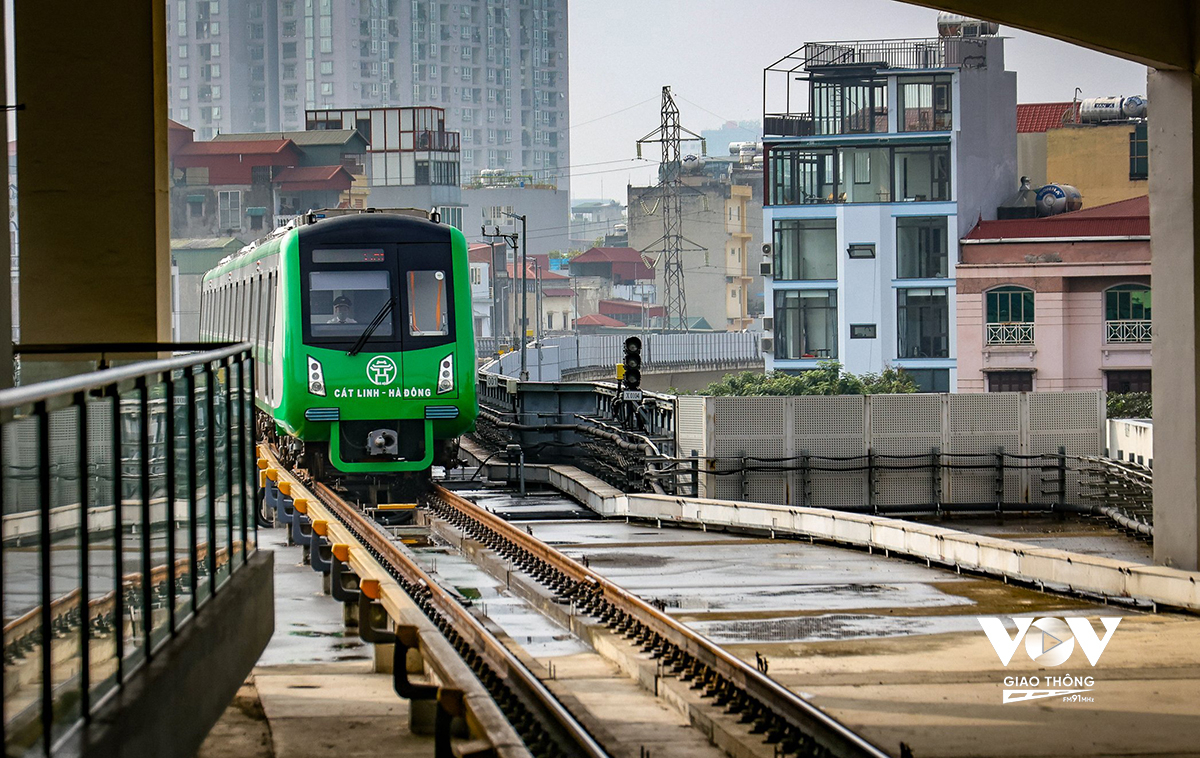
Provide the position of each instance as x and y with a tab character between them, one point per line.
480	650
469	628
822	734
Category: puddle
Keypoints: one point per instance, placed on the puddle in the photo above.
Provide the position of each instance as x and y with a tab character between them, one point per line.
314	633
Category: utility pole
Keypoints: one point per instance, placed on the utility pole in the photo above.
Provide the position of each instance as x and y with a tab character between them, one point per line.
537	278
669	247
511	239
524	293
495	295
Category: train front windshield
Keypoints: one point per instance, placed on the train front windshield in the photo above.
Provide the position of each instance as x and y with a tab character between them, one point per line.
348	288
341	303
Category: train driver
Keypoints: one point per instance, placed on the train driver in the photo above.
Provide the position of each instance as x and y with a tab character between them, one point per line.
342	308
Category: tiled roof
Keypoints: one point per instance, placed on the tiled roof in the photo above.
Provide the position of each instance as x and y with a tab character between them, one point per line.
1134	206
595	319
1125	218
237	147
558	292
315	137
612	254
309	174
1041	117
615	305
531	274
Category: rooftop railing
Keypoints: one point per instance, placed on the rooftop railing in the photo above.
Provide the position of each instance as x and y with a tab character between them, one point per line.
128	503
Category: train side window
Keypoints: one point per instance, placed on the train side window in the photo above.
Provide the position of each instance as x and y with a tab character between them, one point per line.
272	285
428	315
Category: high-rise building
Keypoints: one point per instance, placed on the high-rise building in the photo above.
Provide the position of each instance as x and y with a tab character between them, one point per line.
497	67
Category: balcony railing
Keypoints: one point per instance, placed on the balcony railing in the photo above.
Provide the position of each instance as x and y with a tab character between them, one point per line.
1010	334
1132	330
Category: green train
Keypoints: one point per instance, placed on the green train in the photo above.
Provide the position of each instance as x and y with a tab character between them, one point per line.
361	322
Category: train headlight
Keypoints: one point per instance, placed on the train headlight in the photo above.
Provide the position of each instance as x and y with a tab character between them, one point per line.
446	375
316	377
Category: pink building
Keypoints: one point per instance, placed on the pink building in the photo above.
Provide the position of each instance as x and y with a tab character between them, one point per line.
1057	303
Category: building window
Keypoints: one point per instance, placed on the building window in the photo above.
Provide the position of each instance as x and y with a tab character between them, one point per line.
802	176
451	216
862	331
805	250
229	209
930	379
849	106
923	318
1139	153
1010	316
806	324
925	104
921	249
863	175
326	68
289	50
923	173
1010	381
1127	313
1129	381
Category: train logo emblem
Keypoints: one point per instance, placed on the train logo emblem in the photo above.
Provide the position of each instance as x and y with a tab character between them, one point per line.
381	370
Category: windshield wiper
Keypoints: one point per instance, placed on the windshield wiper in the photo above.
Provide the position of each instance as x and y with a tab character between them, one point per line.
371	327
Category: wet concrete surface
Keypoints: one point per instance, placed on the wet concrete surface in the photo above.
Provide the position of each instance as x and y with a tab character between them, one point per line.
894	648
536	505
314	692
308	623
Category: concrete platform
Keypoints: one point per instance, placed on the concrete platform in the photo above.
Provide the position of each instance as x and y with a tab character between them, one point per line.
313	693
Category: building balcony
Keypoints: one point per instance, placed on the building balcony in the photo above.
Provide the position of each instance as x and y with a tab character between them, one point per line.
1125	331
1010	334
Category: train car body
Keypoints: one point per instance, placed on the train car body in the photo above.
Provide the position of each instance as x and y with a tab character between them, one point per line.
363	337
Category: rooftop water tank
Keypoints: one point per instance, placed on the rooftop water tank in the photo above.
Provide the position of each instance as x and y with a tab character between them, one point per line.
954	25
694	163
735	148
747	153
1095	110
1058	198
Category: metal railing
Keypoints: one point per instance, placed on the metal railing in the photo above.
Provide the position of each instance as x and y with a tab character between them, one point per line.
128	503
1130	330
1010	334
933	52
558	358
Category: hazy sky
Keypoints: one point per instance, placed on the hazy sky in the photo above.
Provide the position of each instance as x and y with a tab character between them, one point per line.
712	54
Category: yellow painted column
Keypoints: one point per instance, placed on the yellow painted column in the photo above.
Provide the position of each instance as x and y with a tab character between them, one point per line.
92	159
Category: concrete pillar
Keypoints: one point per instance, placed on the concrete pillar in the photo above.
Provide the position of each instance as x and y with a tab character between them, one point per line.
1173	240
6	311
92	152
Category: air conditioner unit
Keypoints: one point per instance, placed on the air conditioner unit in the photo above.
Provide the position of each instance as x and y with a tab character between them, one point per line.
768	345
768	324
766	269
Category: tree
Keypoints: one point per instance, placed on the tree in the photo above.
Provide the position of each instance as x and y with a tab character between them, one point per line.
827	379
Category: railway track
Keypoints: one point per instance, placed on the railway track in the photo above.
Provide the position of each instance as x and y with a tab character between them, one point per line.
780	721
507	706
777	715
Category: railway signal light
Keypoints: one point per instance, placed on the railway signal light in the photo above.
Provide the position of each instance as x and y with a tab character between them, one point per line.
633	363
